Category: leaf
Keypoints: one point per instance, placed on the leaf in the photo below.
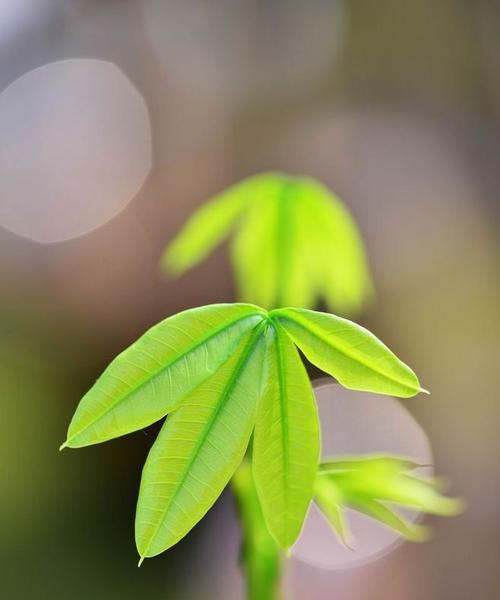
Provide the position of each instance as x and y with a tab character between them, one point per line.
286	441
374	484
340	264
378	511
223	371
348	352
209	225
380	465
272	251
198	449
154	375
331	503
294	243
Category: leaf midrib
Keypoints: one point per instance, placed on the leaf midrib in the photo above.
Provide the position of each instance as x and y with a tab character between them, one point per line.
201	440
297	321
213	333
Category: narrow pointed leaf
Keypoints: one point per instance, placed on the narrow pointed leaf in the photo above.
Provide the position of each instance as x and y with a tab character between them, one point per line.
390	518
153	376
253	250
378	464
198	449
340	263
411	491
331	503
348	352
286	441
274	252
209	225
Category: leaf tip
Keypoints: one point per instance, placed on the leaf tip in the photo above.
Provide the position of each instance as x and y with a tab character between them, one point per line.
141	560
424	391
63	445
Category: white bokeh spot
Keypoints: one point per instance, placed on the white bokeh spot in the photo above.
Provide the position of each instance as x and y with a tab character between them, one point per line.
76	148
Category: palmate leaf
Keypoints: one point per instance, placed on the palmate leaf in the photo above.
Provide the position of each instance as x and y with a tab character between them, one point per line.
376	486
294	243
223	371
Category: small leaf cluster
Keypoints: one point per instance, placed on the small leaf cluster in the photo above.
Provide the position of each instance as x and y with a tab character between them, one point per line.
223	373
294	243
375	486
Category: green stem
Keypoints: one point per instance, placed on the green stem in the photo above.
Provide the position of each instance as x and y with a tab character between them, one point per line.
260	556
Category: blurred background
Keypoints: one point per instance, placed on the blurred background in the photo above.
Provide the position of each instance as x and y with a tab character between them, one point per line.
158	105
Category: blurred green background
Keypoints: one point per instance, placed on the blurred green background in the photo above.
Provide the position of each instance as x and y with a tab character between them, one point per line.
396	105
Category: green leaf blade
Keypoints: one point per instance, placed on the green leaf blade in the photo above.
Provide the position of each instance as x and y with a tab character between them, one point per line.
390	518
152	376
348	352
211	223
198	449
340	265
286	441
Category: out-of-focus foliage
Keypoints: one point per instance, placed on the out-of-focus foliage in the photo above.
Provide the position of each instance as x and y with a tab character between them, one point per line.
220	370
294	243
375	486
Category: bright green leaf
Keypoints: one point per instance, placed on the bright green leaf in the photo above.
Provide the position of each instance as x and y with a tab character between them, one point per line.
348	352
198	449
286	440
210	224
373	464
331	503
339	259
152	376
378	511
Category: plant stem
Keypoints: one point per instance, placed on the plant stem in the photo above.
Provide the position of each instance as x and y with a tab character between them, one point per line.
260	556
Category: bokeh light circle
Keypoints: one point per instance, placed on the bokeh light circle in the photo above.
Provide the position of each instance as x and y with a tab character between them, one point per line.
76	148
359	423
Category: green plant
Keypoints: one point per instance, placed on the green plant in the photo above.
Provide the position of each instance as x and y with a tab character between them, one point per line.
223	372
235	391
294	243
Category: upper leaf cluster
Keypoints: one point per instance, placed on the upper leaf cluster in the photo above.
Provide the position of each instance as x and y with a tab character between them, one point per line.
223	372
294	243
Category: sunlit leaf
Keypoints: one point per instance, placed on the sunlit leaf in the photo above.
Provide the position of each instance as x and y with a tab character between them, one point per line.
210	224
294	243
286	441
413	532
377	486
348	352
152	376
331	502
339	260
223	371
198	449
